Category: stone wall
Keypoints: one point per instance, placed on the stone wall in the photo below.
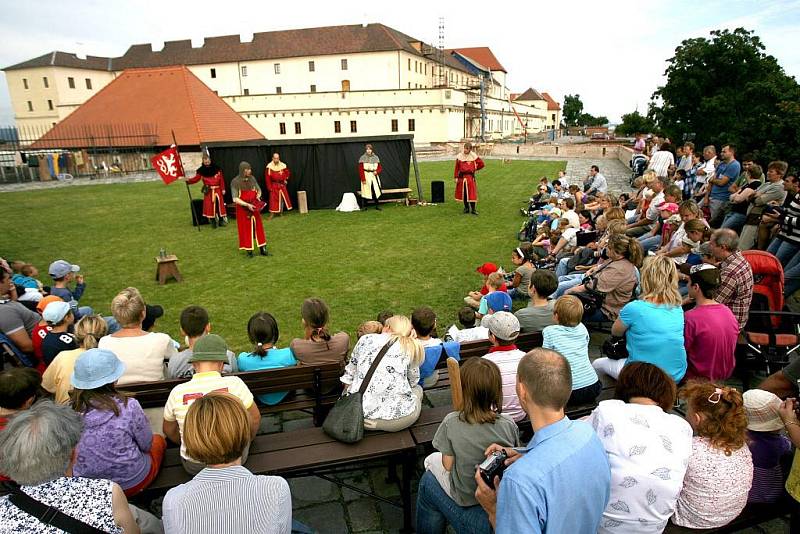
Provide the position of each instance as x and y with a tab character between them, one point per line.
578	150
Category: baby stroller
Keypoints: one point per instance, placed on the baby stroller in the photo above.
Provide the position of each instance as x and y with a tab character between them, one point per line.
772	333
638	165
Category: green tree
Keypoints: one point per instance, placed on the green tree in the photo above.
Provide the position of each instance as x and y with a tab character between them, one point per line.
726	89
573	107
587	119
635	122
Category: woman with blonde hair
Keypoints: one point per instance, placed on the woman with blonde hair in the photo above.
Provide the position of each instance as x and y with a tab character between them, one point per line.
88	331
142	352
393	398
217	432
653	324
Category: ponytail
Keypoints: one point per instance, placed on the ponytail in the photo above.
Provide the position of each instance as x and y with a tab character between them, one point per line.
400	329
724	421
635	253
262	329
88	331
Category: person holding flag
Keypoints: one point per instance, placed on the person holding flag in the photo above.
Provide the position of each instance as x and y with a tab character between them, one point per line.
247	197
213	191
276	176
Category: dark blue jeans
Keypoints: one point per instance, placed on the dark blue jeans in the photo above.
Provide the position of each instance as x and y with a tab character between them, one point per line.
435	509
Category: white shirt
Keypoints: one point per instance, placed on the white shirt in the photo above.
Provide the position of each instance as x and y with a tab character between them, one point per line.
570	235
572	217
508	361
709	168
652	210
468	334
661	161
599	183
143	356
648	451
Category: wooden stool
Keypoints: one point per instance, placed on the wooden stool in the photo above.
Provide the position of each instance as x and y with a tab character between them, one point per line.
302	201
167	267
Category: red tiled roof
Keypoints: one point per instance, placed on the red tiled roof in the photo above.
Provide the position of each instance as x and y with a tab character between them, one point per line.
552	105
161	100
482	55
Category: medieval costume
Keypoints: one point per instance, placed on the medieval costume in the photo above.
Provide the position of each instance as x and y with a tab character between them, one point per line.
369	169
247	197
466	187
276	176
213	191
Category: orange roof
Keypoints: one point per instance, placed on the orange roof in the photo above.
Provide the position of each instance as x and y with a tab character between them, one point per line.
482	55
142	107
551	104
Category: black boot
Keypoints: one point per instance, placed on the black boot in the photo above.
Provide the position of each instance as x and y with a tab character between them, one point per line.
263	251
249	253
377	205
223	221
213	222
466	206
472	208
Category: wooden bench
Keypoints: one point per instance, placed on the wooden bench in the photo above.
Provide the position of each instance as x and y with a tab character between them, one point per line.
311	388
403	191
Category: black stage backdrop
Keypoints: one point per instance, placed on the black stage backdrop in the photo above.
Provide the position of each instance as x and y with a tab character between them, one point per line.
324	168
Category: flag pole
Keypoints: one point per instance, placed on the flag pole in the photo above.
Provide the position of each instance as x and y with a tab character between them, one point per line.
188	191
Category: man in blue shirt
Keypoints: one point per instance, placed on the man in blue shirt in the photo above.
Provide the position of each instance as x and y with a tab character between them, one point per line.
726	174
561	481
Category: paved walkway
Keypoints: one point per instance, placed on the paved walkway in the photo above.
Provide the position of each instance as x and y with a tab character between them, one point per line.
147	176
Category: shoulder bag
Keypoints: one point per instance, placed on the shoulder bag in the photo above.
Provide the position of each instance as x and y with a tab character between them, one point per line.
48	515
590	297
345	422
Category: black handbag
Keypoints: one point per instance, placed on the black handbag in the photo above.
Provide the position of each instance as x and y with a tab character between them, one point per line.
615	348
590	297
345	421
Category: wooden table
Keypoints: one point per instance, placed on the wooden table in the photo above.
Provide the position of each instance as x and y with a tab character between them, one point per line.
166	268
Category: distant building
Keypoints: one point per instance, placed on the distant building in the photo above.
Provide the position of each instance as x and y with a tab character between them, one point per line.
356	80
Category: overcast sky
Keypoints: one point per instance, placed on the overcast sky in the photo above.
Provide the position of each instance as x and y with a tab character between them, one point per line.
612	53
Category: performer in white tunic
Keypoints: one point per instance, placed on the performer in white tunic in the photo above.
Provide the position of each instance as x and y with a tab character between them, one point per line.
369	170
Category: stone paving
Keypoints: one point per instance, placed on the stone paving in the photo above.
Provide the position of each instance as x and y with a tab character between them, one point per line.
146	176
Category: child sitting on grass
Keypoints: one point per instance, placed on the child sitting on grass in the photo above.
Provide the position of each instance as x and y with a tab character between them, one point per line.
262	329
494	282
570	338
474	297
522	274
447	489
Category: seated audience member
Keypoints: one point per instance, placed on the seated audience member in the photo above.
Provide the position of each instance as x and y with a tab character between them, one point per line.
38	453
217	433
564	463
688	211
446	492
570	338
383	316
60	319
41	329
423	321
495	302
617	277
194	325
710	330
143	353
653	324
786	243
788	413
318	346
649	215
262	329
720	470
117	441
209	355
772	192
56	378
736	276
570	214
31	287
741	197
393	398
19	387
494	283
538	314
639	419
566	243
770	449
369	327
62	272
469	332
16	321
503	330
522	274
474	297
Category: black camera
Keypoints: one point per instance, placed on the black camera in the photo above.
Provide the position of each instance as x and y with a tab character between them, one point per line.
493	466
775	211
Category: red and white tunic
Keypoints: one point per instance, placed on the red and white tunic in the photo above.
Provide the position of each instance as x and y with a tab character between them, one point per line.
214	196
466	167
276	177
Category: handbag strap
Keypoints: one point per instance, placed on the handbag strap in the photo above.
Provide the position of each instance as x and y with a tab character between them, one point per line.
593	276
374	366
49	515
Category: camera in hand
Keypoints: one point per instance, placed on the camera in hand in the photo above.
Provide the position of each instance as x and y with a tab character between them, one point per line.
774	210
493	466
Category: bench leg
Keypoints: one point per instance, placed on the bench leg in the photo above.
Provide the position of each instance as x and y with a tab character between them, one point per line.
409	463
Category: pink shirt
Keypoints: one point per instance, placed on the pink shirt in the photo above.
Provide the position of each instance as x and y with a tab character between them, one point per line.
507	359
709	335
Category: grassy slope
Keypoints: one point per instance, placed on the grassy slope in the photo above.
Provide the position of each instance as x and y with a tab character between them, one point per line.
360	263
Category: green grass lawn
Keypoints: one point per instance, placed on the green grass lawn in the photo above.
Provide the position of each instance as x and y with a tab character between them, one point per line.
359	263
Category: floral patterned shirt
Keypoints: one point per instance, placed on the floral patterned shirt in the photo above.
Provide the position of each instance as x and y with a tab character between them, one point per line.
388	395
85	499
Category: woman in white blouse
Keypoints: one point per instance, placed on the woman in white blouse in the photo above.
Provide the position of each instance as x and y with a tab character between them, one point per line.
393	398
648	450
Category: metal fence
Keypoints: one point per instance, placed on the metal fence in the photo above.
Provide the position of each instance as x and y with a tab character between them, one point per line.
38	153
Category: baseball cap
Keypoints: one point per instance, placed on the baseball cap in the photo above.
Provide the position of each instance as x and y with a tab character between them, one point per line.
668	206
761	408
42	304
209	348
55	312
151	314
95	368
503	325
487	268
61	268
498	301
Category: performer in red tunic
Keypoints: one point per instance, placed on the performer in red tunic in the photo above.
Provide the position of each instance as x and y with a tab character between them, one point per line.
247	197
467	164
276	176
213	191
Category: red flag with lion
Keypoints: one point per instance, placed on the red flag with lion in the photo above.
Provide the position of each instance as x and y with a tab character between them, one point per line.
168	165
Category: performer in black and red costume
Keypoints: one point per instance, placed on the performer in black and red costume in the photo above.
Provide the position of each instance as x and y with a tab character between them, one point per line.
467	164
247	197
276	176
213	191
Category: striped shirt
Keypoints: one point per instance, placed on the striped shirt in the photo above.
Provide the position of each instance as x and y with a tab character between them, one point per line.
229	500
790	221
572	342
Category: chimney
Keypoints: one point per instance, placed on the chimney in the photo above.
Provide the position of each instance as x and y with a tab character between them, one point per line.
157	46
198	42
246	37
80	51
